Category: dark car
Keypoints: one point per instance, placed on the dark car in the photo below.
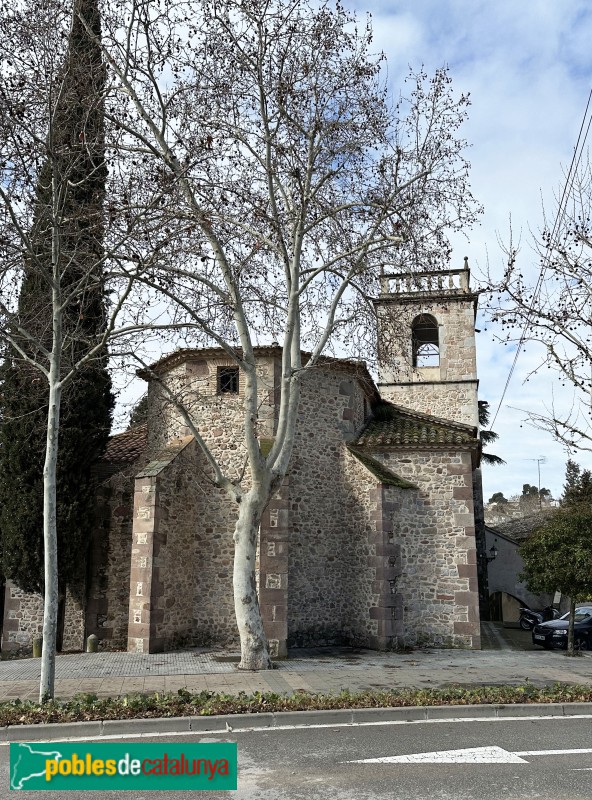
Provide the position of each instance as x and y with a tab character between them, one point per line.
554	633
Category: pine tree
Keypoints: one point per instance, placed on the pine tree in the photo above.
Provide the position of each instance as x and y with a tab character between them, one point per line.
71	187
578	485
487	437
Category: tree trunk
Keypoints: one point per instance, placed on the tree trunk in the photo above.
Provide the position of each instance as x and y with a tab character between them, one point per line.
51	599
570	627
254	651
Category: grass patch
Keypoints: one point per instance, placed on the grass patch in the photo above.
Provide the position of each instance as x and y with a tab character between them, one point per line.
87	707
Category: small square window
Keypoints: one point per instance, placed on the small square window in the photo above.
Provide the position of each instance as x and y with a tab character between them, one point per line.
228	380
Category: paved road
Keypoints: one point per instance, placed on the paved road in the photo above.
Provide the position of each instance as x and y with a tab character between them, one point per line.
320	763
494	636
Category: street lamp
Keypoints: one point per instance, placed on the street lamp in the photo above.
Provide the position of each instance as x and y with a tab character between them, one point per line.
493	556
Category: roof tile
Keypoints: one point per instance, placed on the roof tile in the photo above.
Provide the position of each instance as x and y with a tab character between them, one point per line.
394	426
126	447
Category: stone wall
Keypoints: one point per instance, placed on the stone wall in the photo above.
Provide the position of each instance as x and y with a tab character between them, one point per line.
438	602
23	619
330	575
181	568
370	558
74	621
100	606
196	559
218	416
109	560
456	402
326	546
449	390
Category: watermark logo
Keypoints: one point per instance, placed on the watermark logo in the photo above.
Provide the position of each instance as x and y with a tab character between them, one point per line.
105	766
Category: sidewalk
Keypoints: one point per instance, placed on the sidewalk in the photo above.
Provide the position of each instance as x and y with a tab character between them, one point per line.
323	670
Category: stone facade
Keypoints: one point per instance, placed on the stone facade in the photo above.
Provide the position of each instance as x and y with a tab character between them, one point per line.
330	576
436	592
368	541
23	619
107	604
181	565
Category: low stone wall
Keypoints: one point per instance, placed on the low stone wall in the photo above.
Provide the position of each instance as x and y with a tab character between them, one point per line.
23	620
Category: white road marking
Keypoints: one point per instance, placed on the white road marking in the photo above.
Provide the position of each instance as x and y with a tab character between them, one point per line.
246	729
472	755
553	752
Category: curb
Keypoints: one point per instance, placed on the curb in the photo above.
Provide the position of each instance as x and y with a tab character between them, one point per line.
246	722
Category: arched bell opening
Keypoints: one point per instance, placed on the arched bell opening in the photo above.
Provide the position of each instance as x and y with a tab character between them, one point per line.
425	341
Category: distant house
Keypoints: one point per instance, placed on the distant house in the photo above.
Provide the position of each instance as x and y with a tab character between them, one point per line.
507	593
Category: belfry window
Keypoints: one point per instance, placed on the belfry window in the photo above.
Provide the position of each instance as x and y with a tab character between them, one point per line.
425	343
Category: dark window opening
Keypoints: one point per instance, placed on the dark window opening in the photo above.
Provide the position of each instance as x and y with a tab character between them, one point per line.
228	380
426	346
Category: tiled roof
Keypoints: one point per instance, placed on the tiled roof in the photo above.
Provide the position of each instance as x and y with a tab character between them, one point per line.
521	528
126	447
394	426
163	458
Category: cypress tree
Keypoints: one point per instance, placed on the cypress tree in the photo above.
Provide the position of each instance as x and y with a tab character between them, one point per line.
70	190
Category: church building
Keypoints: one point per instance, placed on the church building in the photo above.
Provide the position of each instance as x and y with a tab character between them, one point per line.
369	541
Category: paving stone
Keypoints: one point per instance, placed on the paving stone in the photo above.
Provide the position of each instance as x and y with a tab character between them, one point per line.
315	670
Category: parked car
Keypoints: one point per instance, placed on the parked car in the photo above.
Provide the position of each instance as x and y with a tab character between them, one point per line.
554	633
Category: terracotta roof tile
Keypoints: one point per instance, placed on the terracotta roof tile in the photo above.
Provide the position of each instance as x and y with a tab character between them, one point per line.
394	426
126	447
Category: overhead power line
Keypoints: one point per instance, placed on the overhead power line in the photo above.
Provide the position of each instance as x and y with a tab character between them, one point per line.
573	167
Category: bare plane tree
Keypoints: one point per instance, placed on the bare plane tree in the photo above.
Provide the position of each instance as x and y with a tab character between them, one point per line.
260	177
288	179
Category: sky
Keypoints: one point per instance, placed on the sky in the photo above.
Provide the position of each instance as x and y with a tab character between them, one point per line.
528	67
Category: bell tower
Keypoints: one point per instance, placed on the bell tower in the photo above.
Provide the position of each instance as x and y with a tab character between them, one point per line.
426	343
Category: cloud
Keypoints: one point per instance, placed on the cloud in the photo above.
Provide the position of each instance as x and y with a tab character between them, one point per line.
527	67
